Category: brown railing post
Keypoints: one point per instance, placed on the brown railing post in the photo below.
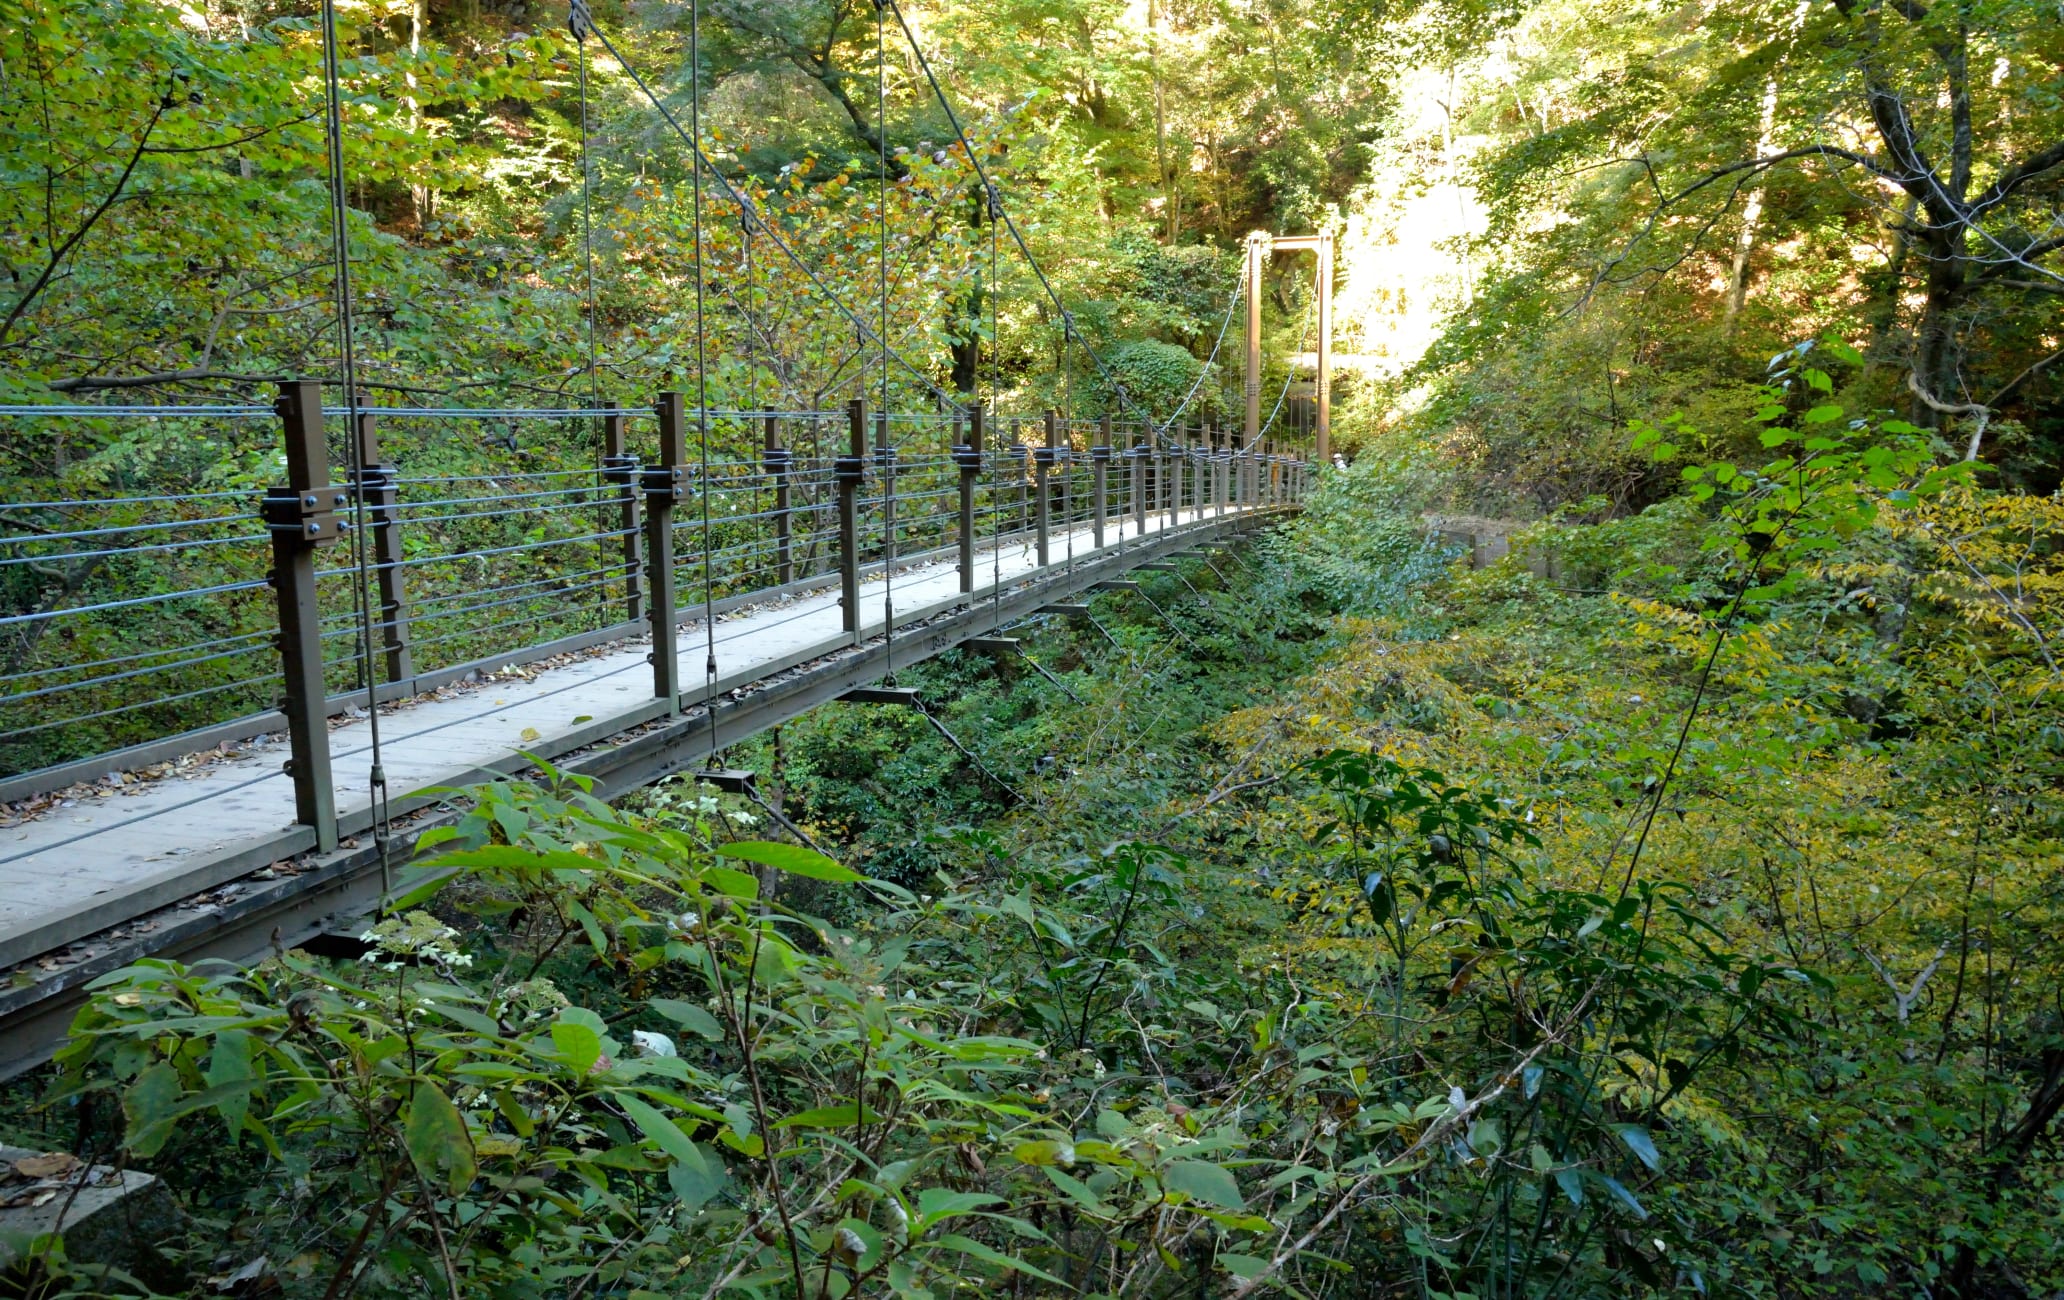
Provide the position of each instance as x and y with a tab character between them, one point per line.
1099	469
1024	477
662	482
1138	455
1185	476
885	467
849	471
620	467
968	455
1224	473
1171	479
379	488
1042	464
301	517
1218	471
1064	466
777	461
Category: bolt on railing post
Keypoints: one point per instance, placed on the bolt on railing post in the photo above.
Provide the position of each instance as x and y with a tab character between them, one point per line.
620	467
848	471
1099	467
378	486
301	517
662	482
1042	464
968	455
777	461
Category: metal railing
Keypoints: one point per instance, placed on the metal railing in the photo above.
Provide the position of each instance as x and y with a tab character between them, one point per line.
140	627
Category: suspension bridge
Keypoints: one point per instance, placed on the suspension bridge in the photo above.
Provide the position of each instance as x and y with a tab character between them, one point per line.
225	715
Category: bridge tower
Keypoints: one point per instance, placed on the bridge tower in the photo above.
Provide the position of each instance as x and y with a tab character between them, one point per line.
1261	245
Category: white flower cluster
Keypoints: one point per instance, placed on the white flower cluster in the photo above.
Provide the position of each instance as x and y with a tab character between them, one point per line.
417	935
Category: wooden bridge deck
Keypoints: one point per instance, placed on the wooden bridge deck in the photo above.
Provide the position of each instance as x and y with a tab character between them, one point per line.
99	863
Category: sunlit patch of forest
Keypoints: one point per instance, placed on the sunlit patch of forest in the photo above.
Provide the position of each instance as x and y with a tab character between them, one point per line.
1671	905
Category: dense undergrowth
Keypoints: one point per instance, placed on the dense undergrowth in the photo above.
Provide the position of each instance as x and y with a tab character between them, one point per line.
1330	921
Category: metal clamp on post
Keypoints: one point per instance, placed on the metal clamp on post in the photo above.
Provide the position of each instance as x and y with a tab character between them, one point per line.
967	457
662	483
849	469
309	516
777	460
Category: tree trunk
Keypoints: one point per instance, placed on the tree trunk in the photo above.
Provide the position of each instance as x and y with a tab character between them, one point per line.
419	195
1935	347
1752	211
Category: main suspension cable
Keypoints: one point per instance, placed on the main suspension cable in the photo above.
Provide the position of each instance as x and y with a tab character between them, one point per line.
1232	305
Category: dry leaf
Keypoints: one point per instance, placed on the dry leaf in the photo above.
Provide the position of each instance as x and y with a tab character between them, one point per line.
51	1164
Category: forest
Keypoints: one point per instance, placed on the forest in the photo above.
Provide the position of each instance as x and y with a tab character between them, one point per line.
1670	904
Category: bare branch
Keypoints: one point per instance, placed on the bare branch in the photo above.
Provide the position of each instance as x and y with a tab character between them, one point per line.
1903	999
1981	412
64	250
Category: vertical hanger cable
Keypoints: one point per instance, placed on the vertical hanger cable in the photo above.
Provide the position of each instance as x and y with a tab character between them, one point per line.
340	252
702	425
